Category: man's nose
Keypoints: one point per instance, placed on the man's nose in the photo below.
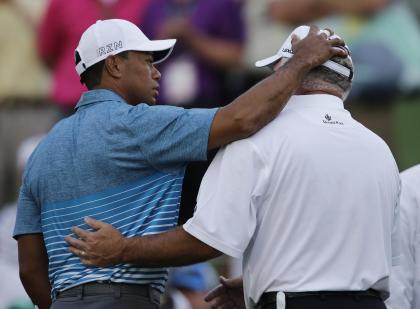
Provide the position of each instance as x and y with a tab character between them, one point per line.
156	74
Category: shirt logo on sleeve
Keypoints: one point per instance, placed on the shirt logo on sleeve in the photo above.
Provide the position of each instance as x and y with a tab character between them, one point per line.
328	120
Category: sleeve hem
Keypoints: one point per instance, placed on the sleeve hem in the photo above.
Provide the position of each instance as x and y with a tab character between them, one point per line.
209	125
203	236
17	234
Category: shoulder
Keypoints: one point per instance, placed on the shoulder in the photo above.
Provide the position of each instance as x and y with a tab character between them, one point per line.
410	180
411	174
167	112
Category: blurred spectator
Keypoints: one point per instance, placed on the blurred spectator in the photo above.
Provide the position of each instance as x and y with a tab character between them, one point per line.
188	285
59	34
388	26
12	293
210	37
24	83
262	30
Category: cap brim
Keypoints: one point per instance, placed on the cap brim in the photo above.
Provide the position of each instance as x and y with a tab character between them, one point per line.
267	61
161	49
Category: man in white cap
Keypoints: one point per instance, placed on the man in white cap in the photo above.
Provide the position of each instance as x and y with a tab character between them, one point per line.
310	202
405	278
122	161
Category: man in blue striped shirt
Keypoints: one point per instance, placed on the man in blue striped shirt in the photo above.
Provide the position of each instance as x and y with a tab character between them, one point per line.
122	161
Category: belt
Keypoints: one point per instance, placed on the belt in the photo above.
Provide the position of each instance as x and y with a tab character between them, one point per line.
271	297
118	289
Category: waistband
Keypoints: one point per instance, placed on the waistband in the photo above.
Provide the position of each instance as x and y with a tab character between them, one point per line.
110	288
271	297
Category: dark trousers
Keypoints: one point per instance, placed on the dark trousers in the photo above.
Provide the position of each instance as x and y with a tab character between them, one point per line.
331	302
103	296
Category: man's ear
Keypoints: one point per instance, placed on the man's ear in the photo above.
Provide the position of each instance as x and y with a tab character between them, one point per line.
114	66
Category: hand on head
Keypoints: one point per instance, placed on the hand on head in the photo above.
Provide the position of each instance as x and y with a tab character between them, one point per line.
103	247
317	47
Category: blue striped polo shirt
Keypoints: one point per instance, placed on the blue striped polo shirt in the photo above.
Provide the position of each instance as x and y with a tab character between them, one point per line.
114	162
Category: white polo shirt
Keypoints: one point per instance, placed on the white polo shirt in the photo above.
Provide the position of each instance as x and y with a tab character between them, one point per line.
310	201
405	278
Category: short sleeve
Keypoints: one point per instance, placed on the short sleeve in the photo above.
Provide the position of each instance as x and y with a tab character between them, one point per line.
168	135
28	216
226	212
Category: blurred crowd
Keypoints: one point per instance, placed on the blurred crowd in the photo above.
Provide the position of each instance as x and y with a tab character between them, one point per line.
213	62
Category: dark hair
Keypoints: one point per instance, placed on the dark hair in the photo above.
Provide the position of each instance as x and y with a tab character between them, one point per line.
93	75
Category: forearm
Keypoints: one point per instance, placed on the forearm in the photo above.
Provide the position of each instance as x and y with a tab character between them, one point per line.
38	288
173	248
257	106
33	269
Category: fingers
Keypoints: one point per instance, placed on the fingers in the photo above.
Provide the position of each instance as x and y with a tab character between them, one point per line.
324	33
313	30
80	253
330	31
231	283
225	282
216	292
337	42
76	243
295	39
95	224
340	52
89	261
222	301
339	48
85	258
80	232
79	248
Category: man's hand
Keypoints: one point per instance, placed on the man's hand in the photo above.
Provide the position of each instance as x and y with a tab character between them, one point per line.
316	48
229	294
104	247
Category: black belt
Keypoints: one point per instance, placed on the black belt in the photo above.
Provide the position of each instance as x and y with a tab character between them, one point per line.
271	297
99	288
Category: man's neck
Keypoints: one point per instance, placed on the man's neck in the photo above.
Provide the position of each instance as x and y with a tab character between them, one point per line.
302	91
112	87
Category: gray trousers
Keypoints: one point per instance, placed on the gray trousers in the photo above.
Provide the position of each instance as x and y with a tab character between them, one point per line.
104	295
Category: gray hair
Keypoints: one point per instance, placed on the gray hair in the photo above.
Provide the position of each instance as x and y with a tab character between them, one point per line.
321	78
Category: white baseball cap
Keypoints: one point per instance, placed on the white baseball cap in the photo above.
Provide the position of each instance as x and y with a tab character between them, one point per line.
286	51
113	36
